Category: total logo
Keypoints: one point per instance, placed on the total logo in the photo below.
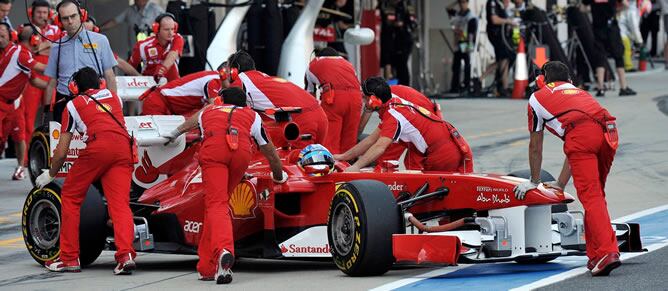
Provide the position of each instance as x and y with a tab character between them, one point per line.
295	249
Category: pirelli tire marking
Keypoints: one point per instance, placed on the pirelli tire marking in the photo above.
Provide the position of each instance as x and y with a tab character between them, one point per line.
347	261
46	199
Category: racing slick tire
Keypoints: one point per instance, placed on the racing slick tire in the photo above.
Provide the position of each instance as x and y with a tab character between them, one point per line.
39	152
544	176
41	218
363	216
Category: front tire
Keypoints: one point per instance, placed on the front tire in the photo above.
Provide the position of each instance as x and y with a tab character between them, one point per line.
363	216
41	221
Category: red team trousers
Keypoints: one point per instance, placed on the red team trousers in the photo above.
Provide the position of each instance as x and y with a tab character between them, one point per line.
104	160
311	121
222	170
343	118
590	158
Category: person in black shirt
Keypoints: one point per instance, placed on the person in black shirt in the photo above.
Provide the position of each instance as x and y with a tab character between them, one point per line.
496	19
607	39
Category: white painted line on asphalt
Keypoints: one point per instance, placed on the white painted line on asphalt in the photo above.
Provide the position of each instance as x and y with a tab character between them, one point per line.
583	270
625	256
432	274
543	282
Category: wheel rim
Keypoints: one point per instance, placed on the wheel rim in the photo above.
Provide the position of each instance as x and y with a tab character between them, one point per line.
343	229
37	158
45	224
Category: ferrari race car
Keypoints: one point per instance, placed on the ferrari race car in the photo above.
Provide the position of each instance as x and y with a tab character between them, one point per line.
358	219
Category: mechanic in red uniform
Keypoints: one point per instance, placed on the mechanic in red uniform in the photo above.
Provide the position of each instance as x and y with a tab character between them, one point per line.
183	96
224	156
265	92
428	136
409	96
16	64
107	158
40	15
159	54
579	120
340	97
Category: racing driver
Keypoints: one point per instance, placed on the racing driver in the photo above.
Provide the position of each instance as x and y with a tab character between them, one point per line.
97	114
590	140
440	145
227	130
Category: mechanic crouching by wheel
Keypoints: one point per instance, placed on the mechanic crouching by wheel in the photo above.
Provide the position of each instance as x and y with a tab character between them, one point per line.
436	141
590	142
97	114
224	156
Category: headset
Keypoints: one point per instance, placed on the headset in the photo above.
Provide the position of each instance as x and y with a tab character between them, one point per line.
374	102
74	88
83	14
43	3
156	24
228	72
35	39
13	35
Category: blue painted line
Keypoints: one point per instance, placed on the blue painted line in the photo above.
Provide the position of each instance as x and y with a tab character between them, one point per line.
504	276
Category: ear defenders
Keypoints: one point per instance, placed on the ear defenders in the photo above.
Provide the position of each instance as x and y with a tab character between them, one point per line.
74	88
155	27
34	40
82	13
374	102
227	73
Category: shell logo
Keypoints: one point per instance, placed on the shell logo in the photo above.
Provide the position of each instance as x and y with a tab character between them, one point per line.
243	201
55	134
107	106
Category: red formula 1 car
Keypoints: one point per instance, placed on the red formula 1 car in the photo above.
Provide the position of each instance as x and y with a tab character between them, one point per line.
356	218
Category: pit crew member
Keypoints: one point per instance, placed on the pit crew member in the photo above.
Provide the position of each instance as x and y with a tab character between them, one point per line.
98	115
159	54
77	49
408	95
39	15
184	96
265	92
16	64
224	156
440	145
590	142
340	97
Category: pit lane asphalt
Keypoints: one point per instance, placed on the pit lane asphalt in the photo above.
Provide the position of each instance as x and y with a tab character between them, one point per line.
496	129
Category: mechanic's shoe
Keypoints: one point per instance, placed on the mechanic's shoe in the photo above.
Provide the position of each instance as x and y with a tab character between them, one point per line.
600	93
125	267
224	268
205	278
19	174
59	266
606	264
627	92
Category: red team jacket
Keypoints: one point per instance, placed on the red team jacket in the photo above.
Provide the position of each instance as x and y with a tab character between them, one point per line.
15	67
151	54
89	119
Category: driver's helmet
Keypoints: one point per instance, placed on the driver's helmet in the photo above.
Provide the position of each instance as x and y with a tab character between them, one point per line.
316	160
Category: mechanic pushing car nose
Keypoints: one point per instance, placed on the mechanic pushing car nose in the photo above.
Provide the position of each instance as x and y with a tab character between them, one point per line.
97	114
437	141
266	92
590	140
340	97
227	130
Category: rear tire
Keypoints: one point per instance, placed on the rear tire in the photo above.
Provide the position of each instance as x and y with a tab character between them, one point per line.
363	216
39	152
41	222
